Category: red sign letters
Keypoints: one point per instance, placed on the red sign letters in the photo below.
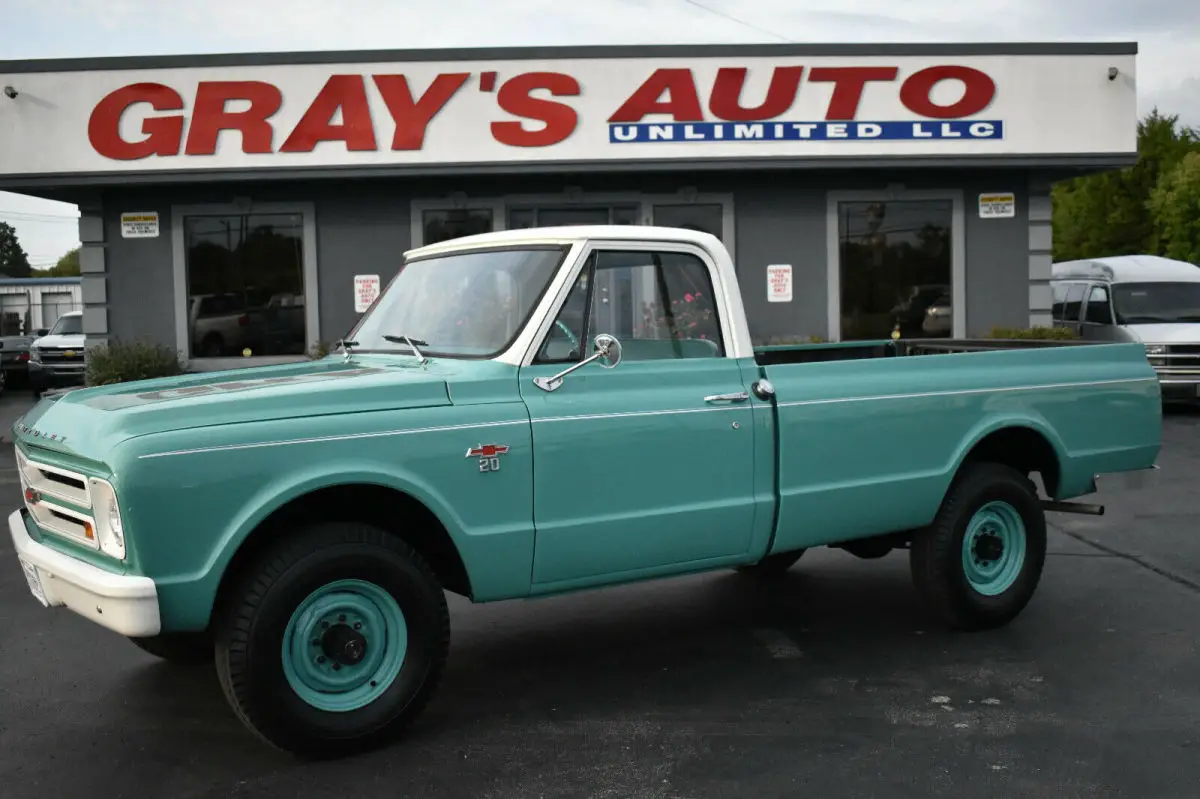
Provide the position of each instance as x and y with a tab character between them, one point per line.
670	92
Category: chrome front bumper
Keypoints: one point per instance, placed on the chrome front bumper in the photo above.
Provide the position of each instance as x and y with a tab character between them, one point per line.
125	604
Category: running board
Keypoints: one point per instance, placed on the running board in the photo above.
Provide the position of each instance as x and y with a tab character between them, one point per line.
1073	507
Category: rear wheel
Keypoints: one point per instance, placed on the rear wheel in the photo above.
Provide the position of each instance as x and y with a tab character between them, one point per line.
979	563
773	565
333	641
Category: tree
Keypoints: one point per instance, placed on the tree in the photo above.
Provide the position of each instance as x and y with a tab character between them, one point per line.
1175	204
13	260
67	266
1109	213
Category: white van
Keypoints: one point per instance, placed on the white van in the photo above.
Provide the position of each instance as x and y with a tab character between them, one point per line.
1143	298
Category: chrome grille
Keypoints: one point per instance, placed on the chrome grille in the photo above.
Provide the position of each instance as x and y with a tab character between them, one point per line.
46	488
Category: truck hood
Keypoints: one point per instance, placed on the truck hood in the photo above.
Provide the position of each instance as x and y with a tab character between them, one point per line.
1167	332
89	421
75	340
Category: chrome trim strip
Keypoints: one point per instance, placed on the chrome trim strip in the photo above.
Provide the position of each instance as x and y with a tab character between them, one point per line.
628	414
959	392
346	437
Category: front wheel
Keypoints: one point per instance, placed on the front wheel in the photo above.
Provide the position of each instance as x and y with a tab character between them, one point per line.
979	563
333	641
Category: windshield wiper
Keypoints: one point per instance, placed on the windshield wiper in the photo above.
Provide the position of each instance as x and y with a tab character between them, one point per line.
412	342
345	345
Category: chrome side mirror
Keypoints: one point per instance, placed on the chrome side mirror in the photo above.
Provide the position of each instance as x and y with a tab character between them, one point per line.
608	353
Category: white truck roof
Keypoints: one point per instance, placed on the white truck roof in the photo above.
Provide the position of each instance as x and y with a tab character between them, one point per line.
1127	268
569	233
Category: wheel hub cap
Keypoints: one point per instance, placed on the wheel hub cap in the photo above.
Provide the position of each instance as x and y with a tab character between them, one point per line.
342	644
993	548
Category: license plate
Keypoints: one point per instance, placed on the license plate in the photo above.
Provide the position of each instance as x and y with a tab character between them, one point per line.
35	582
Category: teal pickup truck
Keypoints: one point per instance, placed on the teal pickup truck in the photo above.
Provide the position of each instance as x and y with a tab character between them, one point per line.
532	412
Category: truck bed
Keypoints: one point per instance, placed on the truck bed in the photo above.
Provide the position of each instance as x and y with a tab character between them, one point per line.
868	440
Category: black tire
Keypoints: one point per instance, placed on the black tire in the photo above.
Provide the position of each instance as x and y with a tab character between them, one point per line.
252	622
774	565
936	557
184	648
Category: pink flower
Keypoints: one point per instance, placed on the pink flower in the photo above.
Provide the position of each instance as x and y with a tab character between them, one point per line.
693	324
688	297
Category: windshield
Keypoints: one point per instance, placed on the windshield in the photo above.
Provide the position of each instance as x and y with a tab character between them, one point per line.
466	304
67	326
1146	303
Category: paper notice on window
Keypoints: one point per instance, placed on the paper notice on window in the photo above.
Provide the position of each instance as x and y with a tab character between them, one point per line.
997	205
139	225
779	283
366	289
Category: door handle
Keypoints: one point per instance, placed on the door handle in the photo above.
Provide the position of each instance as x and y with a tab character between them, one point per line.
737	396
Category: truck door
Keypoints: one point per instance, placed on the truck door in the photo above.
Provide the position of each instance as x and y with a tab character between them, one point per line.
649	464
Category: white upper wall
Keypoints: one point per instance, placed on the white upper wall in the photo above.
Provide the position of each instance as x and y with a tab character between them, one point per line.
482	111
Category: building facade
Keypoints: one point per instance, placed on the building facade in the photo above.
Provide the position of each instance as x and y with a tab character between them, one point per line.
243	208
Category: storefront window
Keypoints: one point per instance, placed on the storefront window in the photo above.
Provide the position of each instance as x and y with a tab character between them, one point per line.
551	216
707	218
895	268
245	285
453	223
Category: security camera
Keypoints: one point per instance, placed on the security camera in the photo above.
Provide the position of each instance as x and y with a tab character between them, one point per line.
1113	72
10	92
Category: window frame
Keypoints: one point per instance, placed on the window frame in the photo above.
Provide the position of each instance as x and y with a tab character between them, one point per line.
308	250
417	209
1083	287
833	258
1087	304
583	260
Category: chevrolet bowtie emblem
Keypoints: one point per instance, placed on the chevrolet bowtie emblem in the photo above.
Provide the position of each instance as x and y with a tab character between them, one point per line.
488	455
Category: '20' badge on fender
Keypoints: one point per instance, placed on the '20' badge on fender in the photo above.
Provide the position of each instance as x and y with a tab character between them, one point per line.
488	455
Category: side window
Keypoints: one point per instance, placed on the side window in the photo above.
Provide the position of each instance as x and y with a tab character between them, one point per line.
659	305
1098	310
1060	301
564	340
1074	302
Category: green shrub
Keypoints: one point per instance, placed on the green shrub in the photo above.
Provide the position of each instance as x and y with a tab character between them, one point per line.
319	350
1044	333
121	362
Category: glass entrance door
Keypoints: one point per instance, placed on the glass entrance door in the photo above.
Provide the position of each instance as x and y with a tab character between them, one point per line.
895	268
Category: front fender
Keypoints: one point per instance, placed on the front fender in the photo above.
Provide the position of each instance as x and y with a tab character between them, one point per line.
191	513
286	488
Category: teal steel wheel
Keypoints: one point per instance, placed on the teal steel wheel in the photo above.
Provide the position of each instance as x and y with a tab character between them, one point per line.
993	548
344	645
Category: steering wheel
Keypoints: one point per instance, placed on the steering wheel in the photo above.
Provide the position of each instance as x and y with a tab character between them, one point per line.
567	332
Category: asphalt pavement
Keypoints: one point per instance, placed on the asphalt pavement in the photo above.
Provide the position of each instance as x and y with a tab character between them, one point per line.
830	682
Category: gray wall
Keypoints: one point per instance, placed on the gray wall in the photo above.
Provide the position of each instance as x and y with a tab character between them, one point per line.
363	227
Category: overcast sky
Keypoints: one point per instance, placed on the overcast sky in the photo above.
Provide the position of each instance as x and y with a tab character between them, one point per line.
1167	32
